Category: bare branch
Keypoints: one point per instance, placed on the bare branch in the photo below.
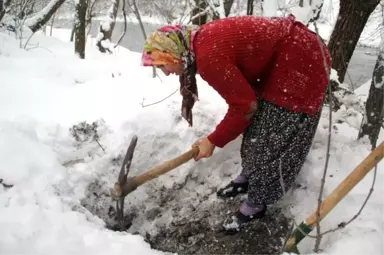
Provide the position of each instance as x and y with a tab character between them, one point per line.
182	16
97	140
281	177
25	46
344	224
142	104
4	184
163	12
216	14
40	47
327	70
38	21
125	25
52	22
137	13
90	14
206	11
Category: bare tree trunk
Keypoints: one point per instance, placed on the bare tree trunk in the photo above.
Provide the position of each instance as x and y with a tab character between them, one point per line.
353	16
3	7
374	108
81	11
227	7
106	28
41	18
301	3
249	7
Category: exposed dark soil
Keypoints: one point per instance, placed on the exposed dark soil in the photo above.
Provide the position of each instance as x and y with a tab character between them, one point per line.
199	236
199	230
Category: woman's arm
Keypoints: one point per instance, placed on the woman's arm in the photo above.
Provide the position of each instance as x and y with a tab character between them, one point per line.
230	83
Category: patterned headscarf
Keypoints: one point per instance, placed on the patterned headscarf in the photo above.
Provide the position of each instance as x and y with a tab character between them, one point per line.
174	44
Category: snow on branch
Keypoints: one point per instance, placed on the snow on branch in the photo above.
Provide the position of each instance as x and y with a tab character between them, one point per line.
38	20
216	13
206	11
4	8
308	12
106	28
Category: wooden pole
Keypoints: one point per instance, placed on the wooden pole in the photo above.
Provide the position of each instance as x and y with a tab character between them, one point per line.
335	197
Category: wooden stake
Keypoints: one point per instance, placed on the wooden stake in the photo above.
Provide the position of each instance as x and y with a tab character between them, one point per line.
335	197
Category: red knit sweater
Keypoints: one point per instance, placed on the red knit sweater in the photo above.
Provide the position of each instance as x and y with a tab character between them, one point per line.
276	59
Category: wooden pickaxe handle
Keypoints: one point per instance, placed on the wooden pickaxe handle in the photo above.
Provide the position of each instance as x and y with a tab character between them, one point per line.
166	166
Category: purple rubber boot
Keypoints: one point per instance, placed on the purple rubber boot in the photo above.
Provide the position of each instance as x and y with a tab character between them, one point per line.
236	187
247	212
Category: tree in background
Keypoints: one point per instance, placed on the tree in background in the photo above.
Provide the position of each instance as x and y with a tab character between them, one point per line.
199	12
374	107
255	7
204	9
38	20
227	7
106	28
80	20
88	20
4	8
352	18
250	7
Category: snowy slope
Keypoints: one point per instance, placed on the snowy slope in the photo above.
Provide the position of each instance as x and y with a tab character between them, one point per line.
41	95
46	89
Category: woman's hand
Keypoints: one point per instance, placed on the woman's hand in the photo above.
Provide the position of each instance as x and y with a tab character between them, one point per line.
206	148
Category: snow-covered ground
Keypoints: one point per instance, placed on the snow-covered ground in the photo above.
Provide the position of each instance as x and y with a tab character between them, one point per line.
46	89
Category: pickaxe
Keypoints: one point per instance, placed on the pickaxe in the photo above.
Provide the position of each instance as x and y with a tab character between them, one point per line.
126	185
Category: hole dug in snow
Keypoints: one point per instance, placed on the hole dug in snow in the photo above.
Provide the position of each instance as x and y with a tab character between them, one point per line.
182	214
181	220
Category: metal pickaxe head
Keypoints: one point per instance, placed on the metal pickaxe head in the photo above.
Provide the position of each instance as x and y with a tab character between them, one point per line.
124	185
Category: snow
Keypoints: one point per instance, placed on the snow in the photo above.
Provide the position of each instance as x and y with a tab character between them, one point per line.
270	8
44	12
46	90
303	14
307	12
38	214
218	10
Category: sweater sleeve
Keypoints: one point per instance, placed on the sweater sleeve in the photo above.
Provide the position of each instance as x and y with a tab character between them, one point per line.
229	82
